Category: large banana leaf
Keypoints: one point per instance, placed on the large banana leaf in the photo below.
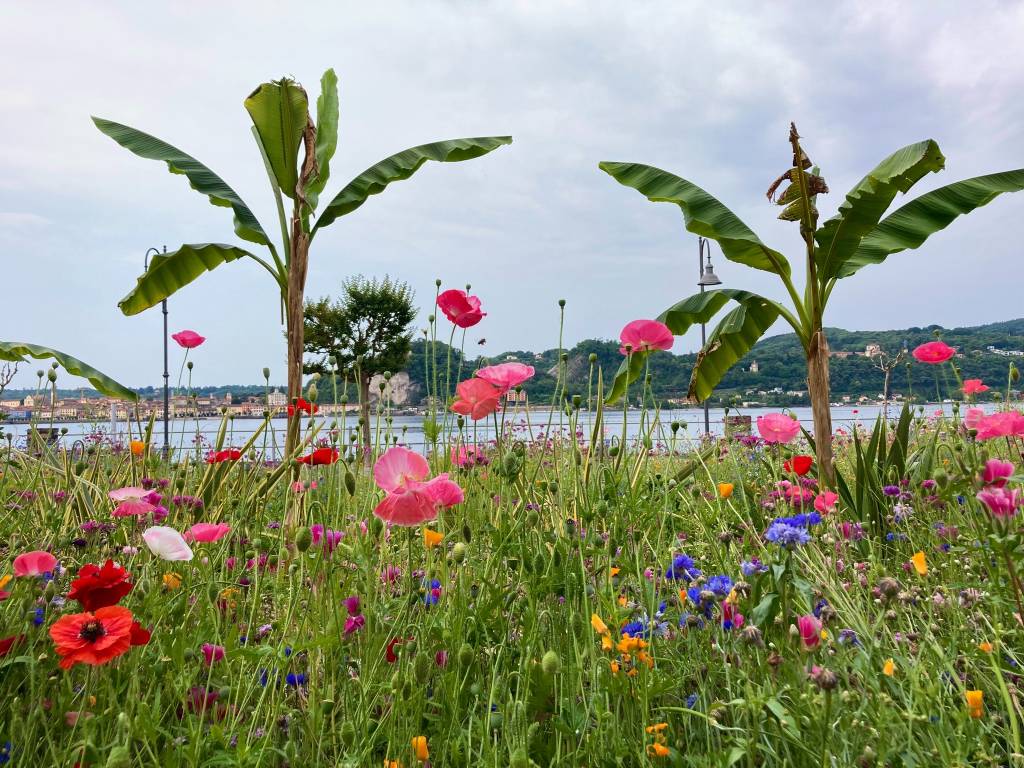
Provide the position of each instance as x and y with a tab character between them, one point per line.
695	309
201	178
704	214
279	110
866	203
326	135
17	351
912	224
170	271
375	179
730	341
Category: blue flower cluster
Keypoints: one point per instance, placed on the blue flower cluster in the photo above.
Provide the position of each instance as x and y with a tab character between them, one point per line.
684	568
792	531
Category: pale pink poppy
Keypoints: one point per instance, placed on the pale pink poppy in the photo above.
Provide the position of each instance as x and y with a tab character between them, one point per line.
407	507
974	387
398	467
166	543
443	491
777	427
506	375
1001	424
188	339
132	501
933	352
460	308
973	416
645	336
996	472
206	533
825	502
1001	502
34	563
810	631
477	399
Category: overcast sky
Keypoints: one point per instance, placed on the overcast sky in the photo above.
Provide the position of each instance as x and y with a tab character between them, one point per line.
703	91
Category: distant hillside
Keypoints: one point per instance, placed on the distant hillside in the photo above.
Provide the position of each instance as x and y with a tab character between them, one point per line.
778	361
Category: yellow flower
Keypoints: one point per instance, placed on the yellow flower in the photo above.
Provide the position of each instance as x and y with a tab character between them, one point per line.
889	669
985	647
657	750
5	580
606	642
615	667
725	490
138	447
920	564
431	538
391	763
613	571
975	703
656	728
598	624
172	580
419	746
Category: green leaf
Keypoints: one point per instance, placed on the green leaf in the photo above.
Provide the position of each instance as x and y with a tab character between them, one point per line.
280	110
376	178
909	226
630	369
704	215
16	351
764	612
201	178
730	341
865	204
170	271
326	135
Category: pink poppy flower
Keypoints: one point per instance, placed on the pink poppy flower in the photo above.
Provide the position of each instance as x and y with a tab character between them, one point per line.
398	467
166	543
810	631
1001	424
777	427
460	308
207	533
974	387
933	352
34	563
996	472
1001	502
645	336
506	375
410	499
973	416
825	502
444	492
188	339
212	653
131	501
464	455
477	399
407	507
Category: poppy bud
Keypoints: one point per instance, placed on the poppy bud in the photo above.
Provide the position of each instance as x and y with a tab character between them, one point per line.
51	375
350	483
592	357
189	365
561	303
348	733
119	757
519	758
303	539
550	663
459	552
467	533
421	668
466	655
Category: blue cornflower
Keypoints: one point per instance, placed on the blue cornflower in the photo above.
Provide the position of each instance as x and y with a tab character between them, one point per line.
720	585
697	597
692	700
753	567
264	678
848	637
40	617
805	520
818	606
891	490
635	629
295	680
683	568
786	535
433	590
5	752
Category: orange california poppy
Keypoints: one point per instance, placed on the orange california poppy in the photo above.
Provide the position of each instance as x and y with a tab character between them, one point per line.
138	447
725	490
92	638
975	706
432	538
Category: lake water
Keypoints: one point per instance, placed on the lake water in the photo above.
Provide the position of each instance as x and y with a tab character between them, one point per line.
409	429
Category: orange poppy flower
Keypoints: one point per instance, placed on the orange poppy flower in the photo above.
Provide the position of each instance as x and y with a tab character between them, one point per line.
92	638
725	490
419	746
138	447
975	706
432	538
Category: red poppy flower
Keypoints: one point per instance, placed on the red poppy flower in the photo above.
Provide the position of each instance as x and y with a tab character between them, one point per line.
389	653
799	465
98	587
320	456
303	405
229	454
8	644
139	635
92	638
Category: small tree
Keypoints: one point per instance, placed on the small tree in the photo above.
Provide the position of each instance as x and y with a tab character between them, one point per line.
367	332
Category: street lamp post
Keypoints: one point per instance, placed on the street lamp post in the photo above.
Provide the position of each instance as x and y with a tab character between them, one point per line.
707	278
167	375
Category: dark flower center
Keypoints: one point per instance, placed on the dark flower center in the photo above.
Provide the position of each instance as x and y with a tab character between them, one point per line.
92	631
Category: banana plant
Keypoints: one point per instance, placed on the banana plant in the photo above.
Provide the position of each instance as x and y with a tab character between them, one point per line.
858	235
281	126
18	351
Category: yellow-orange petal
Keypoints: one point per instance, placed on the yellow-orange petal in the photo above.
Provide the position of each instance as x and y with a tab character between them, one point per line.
432	538
920	563
656	728
889	668
985	647
725	490
975	703
598	624
419	747
138	447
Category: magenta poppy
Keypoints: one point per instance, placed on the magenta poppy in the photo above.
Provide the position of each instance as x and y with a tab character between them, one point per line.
34	563
933	353
506	375
810	631
460	308
411	499
1001	424
974	387
188	339
996	472
645	336
476	398
1001	502
777	427
207	533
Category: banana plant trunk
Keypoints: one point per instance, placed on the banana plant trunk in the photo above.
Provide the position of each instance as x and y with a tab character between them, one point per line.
295	306
820	393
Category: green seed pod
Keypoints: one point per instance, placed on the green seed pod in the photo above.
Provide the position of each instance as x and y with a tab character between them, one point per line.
467	533
551	664
552	487
350	483
326	706
266	374
348	733
303	539
421	668
539	562
459	552
466	655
